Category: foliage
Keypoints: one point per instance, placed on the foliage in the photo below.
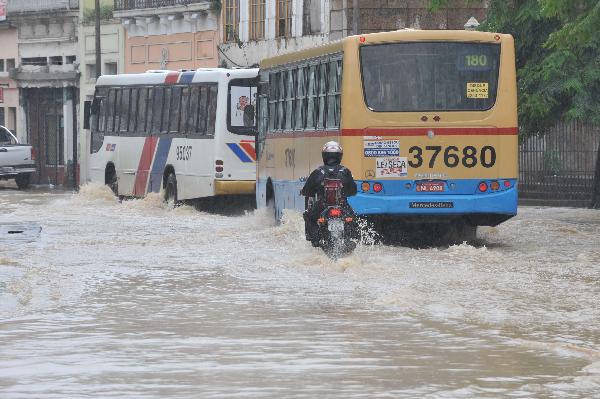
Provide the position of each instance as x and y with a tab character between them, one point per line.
106	13
558	58
215	5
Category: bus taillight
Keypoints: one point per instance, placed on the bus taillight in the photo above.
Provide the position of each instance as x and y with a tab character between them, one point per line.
365	186
33	154
377	187
219	162
506	184
495	185
483	187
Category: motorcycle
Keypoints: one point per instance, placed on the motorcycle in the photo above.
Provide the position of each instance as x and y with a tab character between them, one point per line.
336	223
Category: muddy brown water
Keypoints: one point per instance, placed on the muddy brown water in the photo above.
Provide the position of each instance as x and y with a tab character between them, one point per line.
133	300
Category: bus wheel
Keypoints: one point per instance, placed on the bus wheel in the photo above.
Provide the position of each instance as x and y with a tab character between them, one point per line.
111	179
271	205
171	191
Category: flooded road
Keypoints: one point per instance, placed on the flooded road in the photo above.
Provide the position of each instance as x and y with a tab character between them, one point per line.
133	300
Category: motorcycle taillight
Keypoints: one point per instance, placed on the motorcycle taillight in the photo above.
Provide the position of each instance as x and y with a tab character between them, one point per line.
335	212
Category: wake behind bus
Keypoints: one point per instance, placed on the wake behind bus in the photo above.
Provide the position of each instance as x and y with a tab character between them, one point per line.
427	120
185	134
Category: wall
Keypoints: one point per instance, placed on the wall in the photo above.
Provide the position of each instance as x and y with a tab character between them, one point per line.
10	102
171	41
310	25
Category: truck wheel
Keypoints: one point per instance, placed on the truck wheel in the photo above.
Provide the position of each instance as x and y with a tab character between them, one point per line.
171	191
22	180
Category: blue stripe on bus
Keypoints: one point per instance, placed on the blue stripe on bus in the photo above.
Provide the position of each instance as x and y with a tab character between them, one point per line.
237	150
396	199
186	77
160	160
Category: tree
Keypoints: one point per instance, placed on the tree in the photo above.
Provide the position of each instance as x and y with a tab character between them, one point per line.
558	61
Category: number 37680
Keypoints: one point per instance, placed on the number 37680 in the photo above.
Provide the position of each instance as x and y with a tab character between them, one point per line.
452	156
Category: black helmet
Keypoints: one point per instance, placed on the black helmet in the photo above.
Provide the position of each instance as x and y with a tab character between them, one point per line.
332	153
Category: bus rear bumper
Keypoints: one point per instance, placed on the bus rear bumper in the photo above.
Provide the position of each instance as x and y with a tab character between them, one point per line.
235	187
482	209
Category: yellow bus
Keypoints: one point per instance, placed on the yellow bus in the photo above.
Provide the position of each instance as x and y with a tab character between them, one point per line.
427	121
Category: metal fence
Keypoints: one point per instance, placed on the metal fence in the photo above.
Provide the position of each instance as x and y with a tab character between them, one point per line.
558	168
137	4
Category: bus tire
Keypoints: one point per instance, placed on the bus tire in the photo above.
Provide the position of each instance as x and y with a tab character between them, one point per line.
110	179
23	180
271	204
171	191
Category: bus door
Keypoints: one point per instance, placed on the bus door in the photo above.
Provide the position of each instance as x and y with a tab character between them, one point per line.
198	154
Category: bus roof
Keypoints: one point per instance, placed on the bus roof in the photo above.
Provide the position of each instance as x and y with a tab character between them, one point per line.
156	77
384	37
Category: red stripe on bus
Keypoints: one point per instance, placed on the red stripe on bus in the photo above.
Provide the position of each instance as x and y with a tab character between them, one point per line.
440	131
249	148
293	134
420	131
143	170
172	78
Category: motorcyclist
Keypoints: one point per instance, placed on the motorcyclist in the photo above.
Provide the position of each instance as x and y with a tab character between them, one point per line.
332	154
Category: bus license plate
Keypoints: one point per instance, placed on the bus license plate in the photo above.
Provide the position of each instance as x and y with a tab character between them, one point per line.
430	187
335	225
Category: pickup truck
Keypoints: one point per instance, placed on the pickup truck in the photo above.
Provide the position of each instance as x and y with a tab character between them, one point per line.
17	161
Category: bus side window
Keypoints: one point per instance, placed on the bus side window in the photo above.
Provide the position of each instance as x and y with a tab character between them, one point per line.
117	111
124	110
300	118
272	101
134	97
110	111
192	124
141	110
202	110
311	94
322	108
149	112
166	111
333	94
289	99
212	109
157	109
175	110
281	100
185	103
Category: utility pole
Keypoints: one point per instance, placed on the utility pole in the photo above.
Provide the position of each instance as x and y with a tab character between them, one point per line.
355	17
98	49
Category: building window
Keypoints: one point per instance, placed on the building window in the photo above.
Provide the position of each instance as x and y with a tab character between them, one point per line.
110	68
257	19
90	71
1	65
10	64
284	18
232	20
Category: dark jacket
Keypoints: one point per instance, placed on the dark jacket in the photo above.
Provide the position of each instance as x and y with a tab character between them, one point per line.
314	183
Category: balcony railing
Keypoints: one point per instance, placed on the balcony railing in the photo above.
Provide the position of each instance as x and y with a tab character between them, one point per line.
140	4
19	6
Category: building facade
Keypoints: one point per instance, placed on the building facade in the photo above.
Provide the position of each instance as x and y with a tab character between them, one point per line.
112	42
9	94
256	29
47	76
178	34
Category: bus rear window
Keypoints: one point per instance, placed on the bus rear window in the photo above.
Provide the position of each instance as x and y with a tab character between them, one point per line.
242	106
430	76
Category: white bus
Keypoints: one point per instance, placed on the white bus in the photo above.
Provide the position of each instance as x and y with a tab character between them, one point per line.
185	134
